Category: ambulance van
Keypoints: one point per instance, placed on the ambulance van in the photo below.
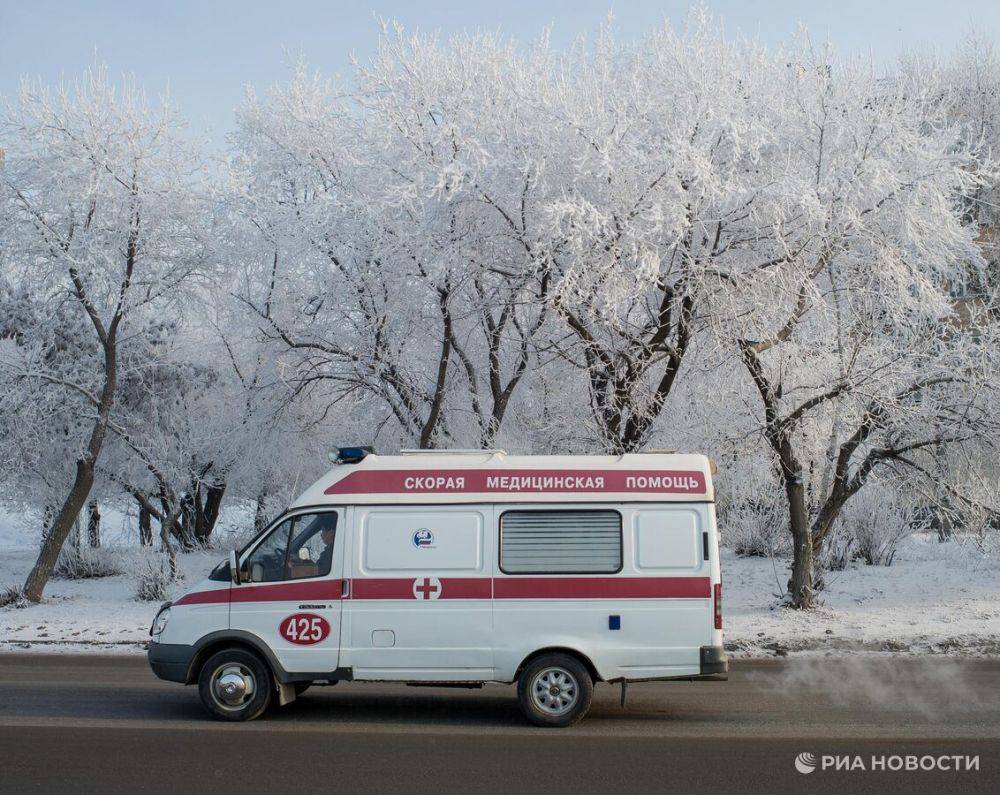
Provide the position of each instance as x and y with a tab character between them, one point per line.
460	568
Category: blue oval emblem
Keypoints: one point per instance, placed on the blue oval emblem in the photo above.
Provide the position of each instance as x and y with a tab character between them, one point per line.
423	538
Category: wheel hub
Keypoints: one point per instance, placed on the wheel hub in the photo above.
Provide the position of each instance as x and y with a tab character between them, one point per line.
555	691
233	686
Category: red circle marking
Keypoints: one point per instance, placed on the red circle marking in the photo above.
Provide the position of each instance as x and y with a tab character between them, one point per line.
305	629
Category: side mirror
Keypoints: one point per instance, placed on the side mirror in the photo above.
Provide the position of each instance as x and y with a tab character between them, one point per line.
234	569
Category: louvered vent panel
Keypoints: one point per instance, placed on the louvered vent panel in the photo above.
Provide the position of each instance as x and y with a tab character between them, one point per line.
557	542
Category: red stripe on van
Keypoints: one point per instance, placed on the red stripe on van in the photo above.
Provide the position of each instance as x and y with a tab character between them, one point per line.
382	588
218	596
289	591
467	588
602	588
276	592
397	588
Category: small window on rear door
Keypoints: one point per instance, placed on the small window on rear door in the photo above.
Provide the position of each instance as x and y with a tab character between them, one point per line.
667	539
560	542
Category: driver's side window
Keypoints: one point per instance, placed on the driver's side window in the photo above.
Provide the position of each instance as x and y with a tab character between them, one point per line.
298	548
267	562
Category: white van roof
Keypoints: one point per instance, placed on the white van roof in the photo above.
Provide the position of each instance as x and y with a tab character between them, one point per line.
449	477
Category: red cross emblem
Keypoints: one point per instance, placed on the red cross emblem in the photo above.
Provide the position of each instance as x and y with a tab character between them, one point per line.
426	588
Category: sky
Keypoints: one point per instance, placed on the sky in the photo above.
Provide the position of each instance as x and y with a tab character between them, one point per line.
206	53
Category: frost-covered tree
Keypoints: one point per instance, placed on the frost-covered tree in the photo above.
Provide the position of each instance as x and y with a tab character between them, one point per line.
656	150
402	265
851	342
101	214
322	283
686	242
971	99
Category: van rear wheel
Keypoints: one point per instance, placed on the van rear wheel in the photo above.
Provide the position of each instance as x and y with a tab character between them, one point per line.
235	684
555	690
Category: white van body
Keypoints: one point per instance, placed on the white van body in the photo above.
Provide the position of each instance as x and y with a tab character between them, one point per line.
462	567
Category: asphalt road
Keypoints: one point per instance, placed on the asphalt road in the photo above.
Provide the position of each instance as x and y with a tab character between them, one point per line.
105	724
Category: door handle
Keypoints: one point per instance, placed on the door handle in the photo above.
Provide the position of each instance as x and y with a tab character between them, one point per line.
345	588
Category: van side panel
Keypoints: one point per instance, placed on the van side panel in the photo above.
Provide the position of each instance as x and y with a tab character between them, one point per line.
646	621
420	604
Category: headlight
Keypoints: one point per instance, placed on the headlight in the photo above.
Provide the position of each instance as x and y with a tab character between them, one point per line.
160	622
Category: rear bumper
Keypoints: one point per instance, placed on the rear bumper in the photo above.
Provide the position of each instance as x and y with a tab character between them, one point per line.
171	661
713	660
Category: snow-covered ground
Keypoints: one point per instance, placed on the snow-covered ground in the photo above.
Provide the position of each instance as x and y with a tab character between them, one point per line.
96	614
100	613
935	598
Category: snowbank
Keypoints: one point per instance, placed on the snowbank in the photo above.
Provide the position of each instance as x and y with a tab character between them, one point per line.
98	614
938	598
78	615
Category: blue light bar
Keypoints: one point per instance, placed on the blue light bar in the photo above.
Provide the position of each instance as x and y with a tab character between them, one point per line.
352	455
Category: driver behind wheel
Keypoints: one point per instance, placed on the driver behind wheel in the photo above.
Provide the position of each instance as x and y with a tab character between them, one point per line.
309	563
326	556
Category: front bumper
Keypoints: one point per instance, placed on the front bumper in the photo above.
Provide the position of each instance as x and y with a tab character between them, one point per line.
713	660
170	661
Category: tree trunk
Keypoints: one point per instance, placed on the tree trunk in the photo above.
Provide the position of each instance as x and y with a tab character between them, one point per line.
801	587
93	524
56	537
429	427
145	527
260	514
83	481
195	517
47	516
944	527
208	512
182	526
167	528
185	521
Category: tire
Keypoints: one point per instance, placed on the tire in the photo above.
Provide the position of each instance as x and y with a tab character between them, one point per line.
240	670
555	690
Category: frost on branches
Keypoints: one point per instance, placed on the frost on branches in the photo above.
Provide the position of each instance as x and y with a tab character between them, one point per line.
776	257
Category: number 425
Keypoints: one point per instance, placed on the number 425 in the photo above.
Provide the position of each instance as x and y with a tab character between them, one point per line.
305	629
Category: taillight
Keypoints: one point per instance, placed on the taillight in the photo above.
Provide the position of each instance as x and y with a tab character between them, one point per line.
717	594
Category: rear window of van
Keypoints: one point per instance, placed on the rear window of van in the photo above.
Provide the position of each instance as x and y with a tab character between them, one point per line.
667	539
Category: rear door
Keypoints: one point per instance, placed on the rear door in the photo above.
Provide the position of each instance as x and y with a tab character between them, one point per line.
671	544
291	589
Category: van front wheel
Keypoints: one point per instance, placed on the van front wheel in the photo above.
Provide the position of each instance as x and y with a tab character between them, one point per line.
555	690
235	684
